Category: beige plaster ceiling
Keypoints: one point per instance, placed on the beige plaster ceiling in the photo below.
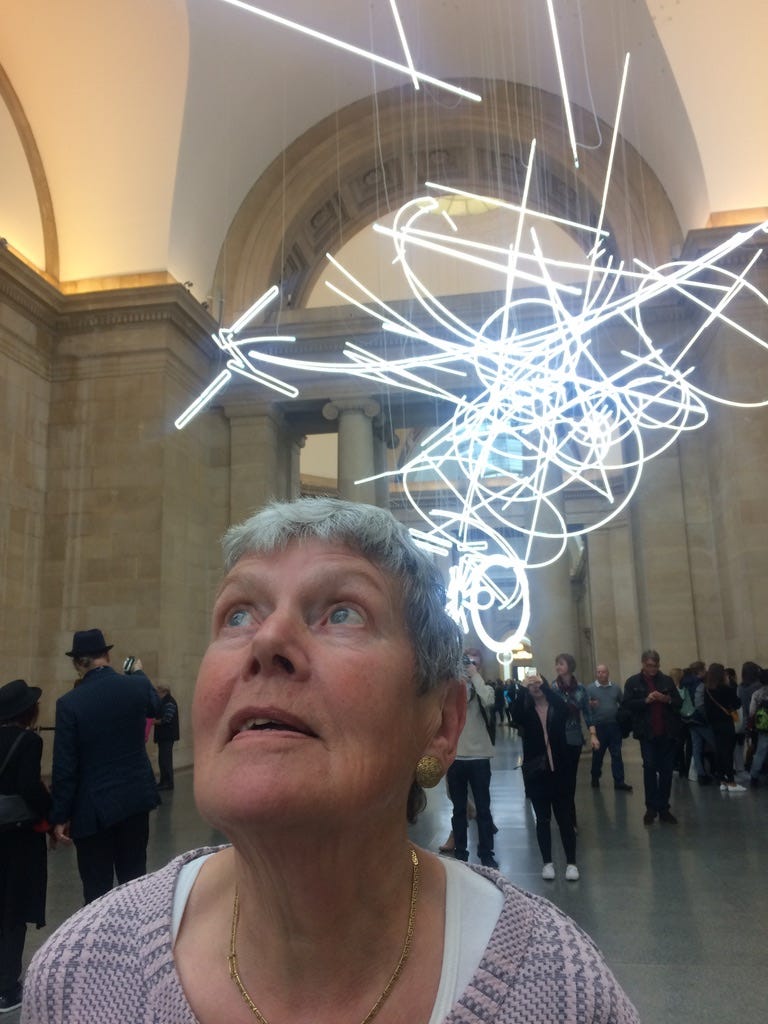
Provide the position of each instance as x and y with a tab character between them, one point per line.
147	122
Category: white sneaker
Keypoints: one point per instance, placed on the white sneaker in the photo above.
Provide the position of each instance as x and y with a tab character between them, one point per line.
734	787
723	788
548	872
571	873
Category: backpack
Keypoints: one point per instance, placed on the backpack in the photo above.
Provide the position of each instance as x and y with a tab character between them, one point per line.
761	717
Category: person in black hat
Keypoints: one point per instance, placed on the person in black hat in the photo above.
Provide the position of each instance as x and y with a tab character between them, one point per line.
23	858
103	783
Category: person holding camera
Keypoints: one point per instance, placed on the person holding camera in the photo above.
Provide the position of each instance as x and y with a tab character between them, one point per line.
541	714
472	769
103	784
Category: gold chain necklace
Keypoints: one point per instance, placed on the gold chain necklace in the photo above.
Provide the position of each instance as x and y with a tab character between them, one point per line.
235	975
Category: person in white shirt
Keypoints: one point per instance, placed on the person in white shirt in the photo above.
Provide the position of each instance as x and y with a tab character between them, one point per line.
472	769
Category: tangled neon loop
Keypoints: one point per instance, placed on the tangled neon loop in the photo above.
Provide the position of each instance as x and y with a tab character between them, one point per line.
535	411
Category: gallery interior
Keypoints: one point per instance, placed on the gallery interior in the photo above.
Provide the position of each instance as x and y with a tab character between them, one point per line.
176	175
165	164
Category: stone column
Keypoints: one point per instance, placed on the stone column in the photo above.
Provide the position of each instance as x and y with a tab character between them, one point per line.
294	482
264	465
356	448
553	621
666	608
615	619
384	439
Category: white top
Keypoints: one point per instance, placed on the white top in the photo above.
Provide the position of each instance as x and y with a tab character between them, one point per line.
472	908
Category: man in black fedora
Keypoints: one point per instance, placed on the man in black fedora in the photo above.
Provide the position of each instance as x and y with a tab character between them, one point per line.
103	784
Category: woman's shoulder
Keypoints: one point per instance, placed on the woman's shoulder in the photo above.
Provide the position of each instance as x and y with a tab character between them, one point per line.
112	950
523	965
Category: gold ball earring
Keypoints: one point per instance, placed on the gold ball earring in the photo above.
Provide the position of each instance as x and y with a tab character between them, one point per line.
429	771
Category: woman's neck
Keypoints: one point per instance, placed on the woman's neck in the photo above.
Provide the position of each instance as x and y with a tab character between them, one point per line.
318	926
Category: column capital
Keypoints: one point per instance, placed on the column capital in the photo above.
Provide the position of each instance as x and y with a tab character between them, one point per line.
369	406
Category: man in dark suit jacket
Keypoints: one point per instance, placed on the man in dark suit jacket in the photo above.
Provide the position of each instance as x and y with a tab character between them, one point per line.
654	701
103	784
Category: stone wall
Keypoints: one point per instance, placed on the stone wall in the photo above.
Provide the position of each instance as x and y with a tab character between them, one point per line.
109	516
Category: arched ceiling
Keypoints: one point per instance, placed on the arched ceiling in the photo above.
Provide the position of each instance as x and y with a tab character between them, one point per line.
153	119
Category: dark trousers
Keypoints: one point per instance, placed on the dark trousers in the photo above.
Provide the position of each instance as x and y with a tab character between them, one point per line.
684	751
574	753
725	743
658	764
474	773
544	807
120	851
165	762
11	950
609	735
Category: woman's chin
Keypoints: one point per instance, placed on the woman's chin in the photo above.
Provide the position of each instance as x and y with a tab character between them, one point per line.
257	809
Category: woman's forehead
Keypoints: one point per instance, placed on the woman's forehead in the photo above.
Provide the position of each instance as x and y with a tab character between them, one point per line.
312	560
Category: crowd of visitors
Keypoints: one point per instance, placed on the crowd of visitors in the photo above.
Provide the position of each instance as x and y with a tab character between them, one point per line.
702	722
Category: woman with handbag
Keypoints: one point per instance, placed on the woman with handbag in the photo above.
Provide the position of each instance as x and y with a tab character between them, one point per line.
541	716
721	704
23	863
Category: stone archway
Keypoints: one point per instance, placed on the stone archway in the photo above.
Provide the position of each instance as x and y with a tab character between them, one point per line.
373	155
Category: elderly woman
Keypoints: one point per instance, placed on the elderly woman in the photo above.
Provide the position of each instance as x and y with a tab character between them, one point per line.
327	696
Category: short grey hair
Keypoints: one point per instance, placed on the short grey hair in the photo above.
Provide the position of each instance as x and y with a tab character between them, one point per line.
375	534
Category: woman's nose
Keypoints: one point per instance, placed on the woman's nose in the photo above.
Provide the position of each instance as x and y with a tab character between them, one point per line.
278	647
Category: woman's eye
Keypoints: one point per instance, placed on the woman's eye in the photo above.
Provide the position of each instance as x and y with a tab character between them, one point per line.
345	616
238	617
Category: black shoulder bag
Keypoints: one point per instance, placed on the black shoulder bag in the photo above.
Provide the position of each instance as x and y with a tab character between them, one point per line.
15	812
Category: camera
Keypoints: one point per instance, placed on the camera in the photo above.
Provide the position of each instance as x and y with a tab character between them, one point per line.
128	664
466	660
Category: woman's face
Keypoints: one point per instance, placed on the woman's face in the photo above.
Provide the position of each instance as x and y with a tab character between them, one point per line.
562	669
305	702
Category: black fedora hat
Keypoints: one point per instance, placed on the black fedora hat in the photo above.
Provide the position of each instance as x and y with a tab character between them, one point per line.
16	697
88	641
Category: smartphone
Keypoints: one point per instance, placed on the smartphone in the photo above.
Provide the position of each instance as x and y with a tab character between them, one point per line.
128	665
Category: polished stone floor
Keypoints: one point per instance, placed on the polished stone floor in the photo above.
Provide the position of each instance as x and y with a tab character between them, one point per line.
680	912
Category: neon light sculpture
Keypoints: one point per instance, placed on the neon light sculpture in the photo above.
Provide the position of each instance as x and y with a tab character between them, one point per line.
545	416
543	396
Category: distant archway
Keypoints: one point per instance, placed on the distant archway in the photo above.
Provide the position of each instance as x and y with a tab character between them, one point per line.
373	155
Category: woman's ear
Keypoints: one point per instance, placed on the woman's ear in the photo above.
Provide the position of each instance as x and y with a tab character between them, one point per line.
453	712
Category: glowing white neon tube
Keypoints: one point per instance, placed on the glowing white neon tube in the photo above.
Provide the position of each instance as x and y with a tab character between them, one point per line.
404	43
563	83
356	50
203	399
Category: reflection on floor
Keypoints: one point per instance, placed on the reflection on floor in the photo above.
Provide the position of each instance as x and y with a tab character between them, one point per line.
678	911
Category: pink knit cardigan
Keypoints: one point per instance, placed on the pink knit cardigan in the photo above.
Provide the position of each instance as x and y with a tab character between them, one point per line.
112	963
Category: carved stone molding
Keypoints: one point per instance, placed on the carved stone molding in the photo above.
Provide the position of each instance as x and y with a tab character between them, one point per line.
350	168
